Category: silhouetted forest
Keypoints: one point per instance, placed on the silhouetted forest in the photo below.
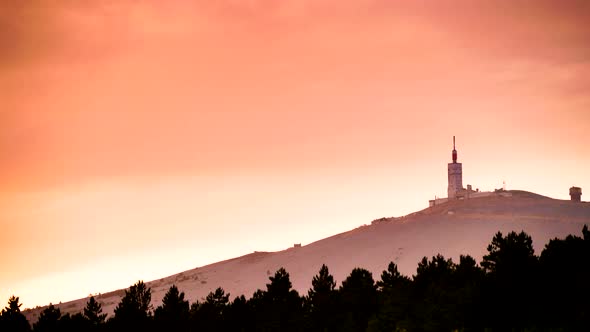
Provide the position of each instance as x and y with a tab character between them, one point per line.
511	289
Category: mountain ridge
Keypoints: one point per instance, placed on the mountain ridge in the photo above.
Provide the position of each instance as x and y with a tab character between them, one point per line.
451	229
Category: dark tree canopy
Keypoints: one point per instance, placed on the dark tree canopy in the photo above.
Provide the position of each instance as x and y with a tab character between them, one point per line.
210	315
566	268
393	300
438	270
279	308
134	308
322	283
513	281
48	320
433	284
93	312
392	278
173	314
11	318
280	285
76	323
240	315
509	255
512	289
217	299
359	299
321	302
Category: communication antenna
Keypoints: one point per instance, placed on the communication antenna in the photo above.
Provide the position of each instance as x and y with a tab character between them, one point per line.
454	151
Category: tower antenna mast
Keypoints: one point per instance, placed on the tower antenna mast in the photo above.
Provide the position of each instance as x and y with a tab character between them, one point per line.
455	169
454	151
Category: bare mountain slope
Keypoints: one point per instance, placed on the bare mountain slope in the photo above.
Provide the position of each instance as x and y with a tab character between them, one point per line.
452	229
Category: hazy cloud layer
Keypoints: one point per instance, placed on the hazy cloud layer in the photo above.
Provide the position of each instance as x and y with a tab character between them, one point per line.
124	86
204	116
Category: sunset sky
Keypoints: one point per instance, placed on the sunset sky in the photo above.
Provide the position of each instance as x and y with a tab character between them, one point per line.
139	139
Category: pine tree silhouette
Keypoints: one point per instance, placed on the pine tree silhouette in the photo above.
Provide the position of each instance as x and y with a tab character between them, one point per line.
321	302
93	312
173	314
359	300
134	310
48	320
11	318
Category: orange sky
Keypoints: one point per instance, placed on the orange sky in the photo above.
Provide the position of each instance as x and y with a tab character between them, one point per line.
140	139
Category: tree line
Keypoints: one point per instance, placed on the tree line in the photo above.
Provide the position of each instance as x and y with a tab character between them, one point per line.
510	289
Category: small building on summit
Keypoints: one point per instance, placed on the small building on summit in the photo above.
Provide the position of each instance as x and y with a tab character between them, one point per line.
455	190
576	194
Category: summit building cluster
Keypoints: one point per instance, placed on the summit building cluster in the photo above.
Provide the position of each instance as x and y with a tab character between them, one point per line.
455	190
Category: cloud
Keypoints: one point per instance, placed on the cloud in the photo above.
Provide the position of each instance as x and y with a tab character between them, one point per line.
73	31
113	88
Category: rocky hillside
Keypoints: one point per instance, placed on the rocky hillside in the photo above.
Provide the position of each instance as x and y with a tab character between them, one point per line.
452	229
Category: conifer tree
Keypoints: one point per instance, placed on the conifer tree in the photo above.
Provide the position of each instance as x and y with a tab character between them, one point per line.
48	320
279	308
218	299
74	323
359	300
321	302
393	300
210	315
11	318
434	304
93	312
240	316
134	310
173	314
391	278
512	269
565	271
468	282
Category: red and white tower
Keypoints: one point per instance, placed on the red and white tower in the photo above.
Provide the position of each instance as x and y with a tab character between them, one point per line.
455	176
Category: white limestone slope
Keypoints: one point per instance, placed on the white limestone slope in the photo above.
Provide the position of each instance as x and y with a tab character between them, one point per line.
452	229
